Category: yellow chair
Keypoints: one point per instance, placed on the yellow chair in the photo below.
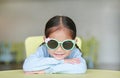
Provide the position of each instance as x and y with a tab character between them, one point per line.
33	42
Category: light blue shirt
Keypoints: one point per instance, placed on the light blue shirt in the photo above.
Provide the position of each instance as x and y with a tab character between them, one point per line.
41	60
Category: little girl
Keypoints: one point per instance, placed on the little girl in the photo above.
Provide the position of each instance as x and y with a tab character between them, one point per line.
59	52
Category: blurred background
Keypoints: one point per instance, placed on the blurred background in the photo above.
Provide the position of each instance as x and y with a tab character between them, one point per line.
97	21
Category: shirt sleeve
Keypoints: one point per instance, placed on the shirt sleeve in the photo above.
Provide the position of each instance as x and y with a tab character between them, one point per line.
38	61
67	68
70	68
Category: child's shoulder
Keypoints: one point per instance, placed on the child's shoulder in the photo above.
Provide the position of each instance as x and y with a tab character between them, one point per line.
43	46
43	49
76	50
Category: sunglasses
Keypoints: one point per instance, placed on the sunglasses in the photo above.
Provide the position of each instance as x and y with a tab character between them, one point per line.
54	44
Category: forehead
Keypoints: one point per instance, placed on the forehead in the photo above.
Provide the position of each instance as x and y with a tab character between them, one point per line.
61	34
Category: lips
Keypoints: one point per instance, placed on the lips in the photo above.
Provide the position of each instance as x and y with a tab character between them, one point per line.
59	56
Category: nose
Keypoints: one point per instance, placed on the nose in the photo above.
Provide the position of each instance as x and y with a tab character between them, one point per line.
60	48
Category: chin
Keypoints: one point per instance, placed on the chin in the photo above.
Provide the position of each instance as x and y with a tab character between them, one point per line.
59	58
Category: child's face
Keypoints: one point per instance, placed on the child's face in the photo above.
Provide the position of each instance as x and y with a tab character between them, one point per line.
60	35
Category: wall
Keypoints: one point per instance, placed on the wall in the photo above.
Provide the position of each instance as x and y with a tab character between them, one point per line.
99	18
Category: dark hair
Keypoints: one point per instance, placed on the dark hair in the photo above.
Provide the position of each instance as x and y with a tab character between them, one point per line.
55	24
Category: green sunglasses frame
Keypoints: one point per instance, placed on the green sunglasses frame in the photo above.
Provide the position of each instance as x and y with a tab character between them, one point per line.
60	43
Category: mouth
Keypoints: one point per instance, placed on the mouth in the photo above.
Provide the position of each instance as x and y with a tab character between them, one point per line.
59	55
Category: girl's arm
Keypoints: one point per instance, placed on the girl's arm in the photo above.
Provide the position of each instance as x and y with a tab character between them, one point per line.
74	64
72	61
34	63
70	68
38	61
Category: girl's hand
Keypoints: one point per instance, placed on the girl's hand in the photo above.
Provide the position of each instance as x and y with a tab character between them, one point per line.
72	61
35	72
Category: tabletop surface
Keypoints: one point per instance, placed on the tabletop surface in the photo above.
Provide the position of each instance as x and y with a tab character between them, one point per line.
91	73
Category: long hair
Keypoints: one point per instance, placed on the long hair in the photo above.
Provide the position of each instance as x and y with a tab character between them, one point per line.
54	24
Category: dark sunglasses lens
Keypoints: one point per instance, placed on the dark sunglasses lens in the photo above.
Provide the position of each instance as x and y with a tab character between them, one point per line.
68	45
52	44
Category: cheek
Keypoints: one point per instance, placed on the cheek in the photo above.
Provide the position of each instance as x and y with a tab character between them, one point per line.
51	51
67	52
